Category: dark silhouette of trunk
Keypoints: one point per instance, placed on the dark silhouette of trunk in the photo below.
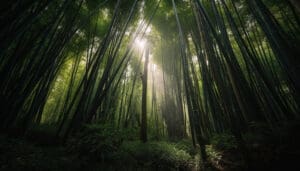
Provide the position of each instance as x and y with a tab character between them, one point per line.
144	98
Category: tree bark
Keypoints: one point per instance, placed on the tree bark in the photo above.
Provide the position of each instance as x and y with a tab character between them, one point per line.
144	98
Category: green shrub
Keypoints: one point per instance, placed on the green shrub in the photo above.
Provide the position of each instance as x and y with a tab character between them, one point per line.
99	141
105	144
157	153
213	154
224	141
186	145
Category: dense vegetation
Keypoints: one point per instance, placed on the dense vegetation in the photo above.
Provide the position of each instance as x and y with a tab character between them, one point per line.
149	85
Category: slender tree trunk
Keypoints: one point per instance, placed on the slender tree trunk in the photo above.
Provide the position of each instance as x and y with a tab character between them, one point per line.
144	98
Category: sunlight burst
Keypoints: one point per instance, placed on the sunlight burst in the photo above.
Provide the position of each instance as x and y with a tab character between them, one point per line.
140	43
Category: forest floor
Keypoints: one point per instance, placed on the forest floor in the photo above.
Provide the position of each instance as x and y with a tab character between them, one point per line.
40	151
24	154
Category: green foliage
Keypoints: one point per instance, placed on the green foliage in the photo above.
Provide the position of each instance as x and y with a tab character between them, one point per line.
186	145
158	153
213	154
99	141
20	154
224	141
104	143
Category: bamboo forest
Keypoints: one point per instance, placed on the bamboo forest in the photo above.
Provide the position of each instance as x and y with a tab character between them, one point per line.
187	85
